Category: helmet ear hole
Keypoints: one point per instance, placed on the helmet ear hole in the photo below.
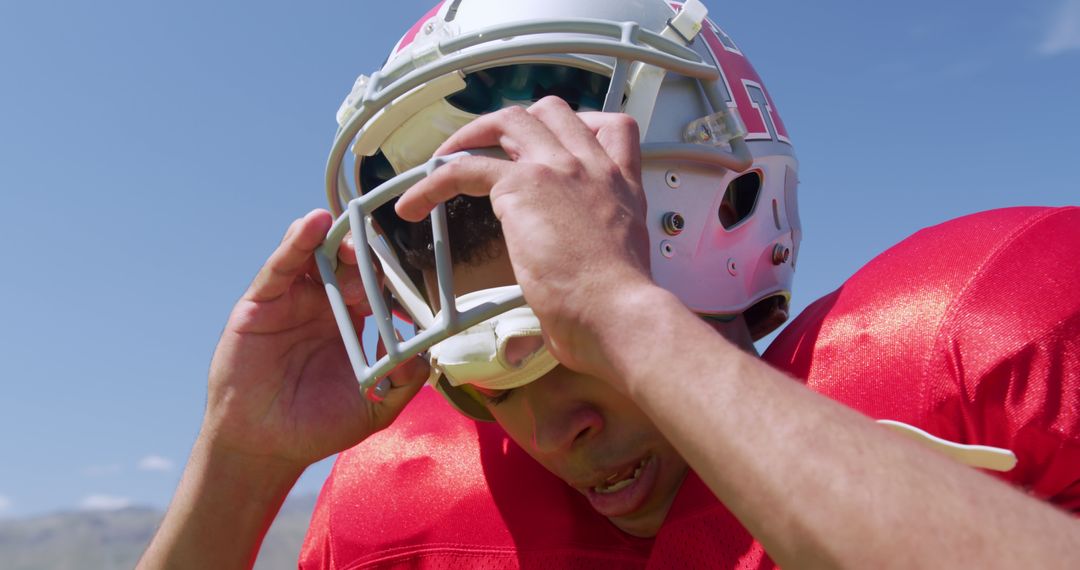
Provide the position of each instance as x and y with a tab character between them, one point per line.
740	198
766	316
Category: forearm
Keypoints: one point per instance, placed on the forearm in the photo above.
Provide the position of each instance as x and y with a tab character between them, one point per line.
817	483
222	508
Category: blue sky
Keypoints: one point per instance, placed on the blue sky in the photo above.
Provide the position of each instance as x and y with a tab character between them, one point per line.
152	154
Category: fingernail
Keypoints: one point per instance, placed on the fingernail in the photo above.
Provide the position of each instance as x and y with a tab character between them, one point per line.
381	389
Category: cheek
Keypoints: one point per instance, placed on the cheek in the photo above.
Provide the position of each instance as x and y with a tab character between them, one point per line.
513	418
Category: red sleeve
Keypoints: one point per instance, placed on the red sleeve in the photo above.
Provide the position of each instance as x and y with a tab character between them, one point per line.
1011	342
969	330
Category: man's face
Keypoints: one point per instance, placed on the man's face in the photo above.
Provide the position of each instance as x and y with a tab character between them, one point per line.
596	440
583	430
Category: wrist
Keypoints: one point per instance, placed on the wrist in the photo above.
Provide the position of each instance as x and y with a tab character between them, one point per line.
245	440
630	323
262	474
653	321
223	506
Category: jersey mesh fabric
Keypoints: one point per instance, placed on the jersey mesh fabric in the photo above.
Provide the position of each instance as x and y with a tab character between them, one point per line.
438	490
969	329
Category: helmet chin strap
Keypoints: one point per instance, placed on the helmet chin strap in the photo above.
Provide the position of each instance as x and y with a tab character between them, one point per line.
981	456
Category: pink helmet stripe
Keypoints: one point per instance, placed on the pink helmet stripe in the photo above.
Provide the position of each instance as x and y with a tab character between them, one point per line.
415	29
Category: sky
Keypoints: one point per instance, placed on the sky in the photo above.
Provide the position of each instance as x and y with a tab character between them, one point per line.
152	154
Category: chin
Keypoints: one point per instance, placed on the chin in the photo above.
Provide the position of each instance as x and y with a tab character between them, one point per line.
641	528
646	522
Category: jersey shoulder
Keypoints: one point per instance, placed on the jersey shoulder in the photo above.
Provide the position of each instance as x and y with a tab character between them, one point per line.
969	329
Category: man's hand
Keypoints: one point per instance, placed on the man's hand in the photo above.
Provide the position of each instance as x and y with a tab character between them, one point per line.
281	385
562	164
282	395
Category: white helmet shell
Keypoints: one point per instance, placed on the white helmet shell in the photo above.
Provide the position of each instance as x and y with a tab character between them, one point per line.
718	168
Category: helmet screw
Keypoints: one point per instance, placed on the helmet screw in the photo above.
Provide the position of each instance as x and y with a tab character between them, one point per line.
672	179
429	27
703	134
780	254
731	266
673	223
666	249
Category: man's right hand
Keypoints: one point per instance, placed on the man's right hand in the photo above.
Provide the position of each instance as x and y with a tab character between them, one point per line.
281	387
282	395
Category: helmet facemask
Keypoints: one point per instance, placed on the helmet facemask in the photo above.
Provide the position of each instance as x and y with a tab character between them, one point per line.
693	138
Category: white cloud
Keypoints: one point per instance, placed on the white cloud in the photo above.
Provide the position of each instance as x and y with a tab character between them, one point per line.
5	504
104	503
155	463
1063	33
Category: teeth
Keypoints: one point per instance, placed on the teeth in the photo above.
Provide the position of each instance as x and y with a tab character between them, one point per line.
609	487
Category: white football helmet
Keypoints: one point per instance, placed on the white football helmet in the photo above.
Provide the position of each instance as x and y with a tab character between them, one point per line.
718	168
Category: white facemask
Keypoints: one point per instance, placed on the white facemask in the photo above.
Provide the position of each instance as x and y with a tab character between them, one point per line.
500	353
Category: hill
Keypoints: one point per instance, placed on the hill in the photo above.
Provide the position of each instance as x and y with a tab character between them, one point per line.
111	540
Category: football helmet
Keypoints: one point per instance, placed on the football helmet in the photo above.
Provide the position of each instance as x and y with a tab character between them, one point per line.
718	168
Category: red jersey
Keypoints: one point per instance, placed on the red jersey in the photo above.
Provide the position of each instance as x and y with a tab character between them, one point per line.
969	330
438	490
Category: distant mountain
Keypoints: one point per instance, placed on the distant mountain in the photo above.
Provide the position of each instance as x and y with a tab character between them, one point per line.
109	540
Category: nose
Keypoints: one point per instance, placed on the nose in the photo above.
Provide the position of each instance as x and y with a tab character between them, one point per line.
559	424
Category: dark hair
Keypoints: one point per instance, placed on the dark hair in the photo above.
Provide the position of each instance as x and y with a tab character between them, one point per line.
473	229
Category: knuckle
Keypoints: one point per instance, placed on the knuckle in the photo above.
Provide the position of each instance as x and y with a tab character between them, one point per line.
611	173
550	102
537	171
564	163
450	169
625	123
444	180
514	113
291	230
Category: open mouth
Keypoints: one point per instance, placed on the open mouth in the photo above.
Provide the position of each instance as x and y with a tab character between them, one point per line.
626	490
622	479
